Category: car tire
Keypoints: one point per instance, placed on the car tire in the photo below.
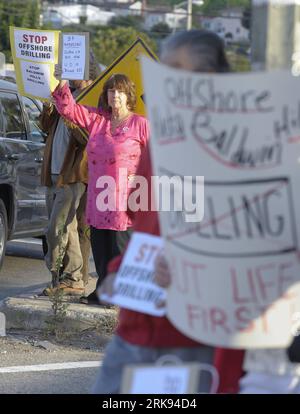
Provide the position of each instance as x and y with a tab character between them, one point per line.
3	231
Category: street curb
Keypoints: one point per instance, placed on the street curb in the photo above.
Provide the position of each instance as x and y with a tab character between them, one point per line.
33	313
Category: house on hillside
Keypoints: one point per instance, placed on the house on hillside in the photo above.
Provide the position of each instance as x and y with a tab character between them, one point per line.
227	25
175	18
62	15
126	9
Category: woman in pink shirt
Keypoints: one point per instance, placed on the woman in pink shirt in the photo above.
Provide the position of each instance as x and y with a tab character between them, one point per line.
117	137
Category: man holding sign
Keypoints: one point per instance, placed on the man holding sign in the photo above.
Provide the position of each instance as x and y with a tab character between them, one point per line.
65	174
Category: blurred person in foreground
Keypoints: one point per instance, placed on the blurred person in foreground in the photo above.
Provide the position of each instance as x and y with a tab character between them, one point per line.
142	338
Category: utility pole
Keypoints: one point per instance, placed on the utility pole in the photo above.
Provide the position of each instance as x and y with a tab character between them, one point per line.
144	7
275	40
2	66
189	14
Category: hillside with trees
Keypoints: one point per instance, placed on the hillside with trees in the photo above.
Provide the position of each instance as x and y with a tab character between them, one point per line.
18	13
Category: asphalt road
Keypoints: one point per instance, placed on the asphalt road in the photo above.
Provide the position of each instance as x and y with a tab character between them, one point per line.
24	271
65	368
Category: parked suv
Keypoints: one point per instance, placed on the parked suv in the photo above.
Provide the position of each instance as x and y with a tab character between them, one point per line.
22	198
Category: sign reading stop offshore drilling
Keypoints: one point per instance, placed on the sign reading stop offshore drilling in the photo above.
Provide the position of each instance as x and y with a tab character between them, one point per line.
34	54
134	286
236	273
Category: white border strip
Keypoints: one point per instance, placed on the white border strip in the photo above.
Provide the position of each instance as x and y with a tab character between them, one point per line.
50	367
276	2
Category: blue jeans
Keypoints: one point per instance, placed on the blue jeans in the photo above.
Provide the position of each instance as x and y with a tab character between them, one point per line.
120	353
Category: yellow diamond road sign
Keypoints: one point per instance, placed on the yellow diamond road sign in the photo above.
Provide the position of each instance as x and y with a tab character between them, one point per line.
129	64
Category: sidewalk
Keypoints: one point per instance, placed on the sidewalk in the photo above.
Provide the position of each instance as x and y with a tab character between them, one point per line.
32	311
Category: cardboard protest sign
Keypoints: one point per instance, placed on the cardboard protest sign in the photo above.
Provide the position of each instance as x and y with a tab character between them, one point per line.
74	55
128	64
134	287
34	52
236	273
158	379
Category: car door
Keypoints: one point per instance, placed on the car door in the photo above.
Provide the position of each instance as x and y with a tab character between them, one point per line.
21	156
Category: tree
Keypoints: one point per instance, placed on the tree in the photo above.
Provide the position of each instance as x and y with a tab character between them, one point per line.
20	14
109	43
82	20
127	21
32	14
213	6
246	19
160	30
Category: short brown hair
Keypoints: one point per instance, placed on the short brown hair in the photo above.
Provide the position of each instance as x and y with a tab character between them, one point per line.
121	83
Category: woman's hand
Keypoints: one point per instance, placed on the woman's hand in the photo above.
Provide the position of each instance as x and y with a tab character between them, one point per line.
162	275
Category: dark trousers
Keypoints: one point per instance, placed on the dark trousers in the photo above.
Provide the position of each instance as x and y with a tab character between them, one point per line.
107	244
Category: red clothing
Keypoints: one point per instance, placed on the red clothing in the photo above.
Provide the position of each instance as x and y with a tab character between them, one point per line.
146	330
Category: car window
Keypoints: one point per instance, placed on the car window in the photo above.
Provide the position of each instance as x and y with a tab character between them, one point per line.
11	124
33	112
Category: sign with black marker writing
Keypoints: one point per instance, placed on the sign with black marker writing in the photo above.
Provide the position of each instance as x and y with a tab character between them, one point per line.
74	55
34	52
236	273
134	287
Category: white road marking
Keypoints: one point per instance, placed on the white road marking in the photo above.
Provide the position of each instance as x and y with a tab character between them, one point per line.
50	367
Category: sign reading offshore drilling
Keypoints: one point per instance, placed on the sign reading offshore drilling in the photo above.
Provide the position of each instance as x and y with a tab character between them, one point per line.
34	54
236	273
134	286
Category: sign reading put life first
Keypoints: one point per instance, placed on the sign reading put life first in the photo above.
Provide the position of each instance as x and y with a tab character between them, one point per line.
236	273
